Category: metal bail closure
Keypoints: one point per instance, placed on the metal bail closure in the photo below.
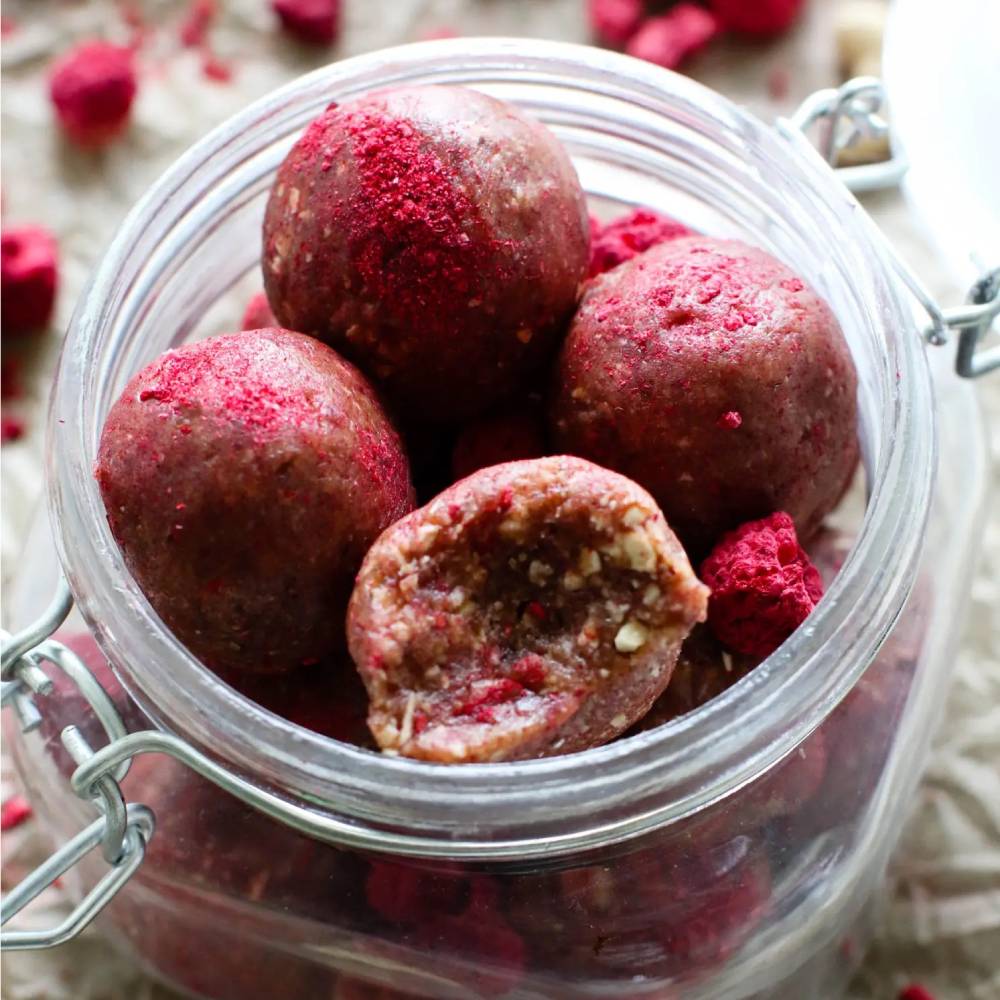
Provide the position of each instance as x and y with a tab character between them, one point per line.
847	114
121	831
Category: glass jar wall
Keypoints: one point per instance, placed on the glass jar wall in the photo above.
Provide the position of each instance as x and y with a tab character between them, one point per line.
729	853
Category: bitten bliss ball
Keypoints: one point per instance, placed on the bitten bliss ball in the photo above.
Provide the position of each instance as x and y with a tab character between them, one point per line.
709	373
434	235
244	478
534	608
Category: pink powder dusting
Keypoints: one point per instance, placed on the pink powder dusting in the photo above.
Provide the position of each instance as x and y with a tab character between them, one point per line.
411	246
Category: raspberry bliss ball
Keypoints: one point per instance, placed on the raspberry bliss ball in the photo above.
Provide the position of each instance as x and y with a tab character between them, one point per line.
710	374
92	88
434	235
534	608
244	478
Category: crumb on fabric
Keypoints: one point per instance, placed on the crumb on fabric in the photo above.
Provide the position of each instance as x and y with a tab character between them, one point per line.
14	812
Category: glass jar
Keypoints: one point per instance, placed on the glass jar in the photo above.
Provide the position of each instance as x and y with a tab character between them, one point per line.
729	853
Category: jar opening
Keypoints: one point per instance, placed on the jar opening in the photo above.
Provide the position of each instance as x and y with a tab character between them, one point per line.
637	134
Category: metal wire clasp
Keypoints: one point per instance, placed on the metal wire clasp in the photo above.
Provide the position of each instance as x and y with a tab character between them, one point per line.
121	831
848	114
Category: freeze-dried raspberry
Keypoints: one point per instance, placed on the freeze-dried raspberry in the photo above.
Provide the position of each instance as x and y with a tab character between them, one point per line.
671	38
92	88
28	278
258	315
614	22
763	585
762	18
625	237
316	22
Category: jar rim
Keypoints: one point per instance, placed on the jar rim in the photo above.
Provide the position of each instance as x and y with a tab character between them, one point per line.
605	794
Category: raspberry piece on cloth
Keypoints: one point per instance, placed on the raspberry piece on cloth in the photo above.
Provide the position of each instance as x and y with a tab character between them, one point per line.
614	22
759	18
763	585
92	88
29	276
315	22
671	38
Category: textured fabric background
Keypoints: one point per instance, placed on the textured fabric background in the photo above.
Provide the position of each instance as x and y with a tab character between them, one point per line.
940	922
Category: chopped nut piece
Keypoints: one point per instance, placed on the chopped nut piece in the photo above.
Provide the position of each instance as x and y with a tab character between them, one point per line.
630	637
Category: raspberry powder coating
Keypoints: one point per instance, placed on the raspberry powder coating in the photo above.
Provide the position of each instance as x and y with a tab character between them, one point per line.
434	235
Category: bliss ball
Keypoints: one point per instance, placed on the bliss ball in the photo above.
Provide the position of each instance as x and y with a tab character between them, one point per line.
29	277
92	88
757	18
709	373
533	608
514	433
763	585
435	236
244	478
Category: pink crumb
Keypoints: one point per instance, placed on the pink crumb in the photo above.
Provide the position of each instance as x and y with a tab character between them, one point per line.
675	36
92	88
213	68
439	34
730	420
315	22
759	18
198	19
779	82
626	237
14	812
258	315
7	26
29	277
763	585
614	22
11	429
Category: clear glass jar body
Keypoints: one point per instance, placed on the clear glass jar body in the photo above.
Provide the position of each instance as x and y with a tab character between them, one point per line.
729	854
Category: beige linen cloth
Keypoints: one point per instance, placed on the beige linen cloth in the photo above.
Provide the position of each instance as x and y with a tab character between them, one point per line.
940	923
